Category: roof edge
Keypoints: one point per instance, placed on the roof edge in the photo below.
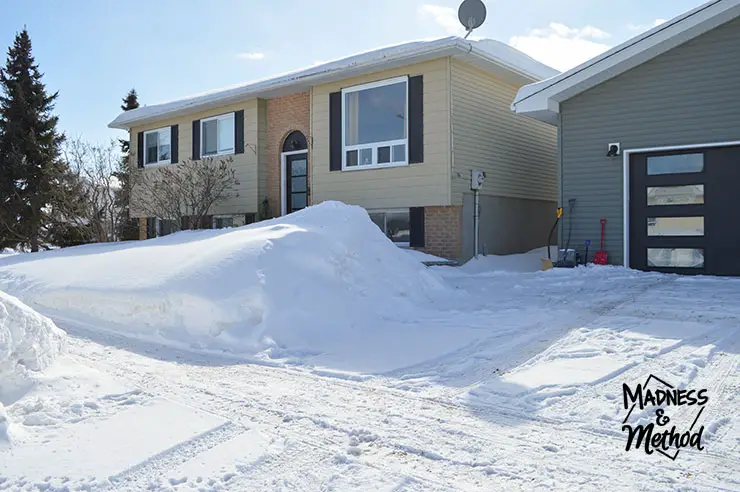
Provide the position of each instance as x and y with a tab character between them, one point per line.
542	98
303	79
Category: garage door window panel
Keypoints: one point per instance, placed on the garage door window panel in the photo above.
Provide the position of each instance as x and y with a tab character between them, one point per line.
675	258
675	226
675	195
675	164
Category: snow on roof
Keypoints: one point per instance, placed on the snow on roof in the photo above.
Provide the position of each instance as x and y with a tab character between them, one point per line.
541	100
492	55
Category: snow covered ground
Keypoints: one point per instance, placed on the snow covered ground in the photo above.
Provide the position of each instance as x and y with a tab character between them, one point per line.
472	378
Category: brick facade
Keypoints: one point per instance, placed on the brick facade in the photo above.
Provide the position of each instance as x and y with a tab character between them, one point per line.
443	231
142	228
284	115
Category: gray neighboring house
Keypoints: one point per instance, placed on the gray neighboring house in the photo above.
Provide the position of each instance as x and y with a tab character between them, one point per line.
649	139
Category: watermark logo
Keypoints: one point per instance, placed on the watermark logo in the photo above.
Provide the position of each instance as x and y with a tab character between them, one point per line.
662	435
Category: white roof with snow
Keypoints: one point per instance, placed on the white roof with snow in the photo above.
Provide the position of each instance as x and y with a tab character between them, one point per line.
542	100
488	54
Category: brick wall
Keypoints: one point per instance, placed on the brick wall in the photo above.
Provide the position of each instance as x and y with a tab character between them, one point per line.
142	228
443	231
284	115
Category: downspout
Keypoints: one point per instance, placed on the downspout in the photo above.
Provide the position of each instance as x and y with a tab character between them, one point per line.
310	146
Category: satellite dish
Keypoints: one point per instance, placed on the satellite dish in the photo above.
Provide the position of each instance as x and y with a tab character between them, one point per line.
472	14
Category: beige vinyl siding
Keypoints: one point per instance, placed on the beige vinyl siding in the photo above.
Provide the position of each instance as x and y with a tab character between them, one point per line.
423	184
245	165
518	154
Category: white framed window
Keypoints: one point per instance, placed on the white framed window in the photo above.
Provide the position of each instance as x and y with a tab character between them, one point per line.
375	125
157	147
217	135
396	224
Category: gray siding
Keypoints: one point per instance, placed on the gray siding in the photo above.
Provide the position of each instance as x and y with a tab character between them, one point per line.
688	96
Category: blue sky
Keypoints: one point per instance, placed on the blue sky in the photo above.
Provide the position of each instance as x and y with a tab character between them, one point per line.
93	52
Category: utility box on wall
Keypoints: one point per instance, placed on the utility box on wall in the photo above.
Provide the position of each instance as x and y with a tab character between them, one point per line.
476	179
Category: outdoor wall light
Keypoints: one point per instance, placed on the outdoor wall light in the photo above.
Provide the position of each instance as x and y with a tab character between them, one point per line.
613	150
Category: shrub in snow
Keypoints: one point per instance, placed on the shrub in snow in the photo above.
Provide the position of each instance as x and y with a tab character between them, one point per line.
28	341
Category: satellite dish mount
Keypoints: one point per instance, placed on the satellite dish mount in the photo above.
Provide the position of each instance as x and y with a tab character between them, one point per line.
472	14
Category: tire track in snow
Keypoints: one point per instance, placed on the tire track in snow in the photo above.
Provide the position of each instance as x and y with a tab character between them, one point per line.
139	476
398	445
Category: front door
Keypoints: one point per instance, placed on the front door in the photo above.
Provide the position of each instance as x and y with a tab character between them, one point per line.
296	182
683	212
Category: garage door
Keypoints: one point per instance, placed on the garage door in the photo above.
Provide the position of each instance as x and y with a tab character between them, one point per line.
685	211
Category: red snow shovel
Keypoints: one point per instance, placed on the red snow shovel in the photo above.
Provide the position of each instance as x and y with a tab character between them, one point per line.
601	257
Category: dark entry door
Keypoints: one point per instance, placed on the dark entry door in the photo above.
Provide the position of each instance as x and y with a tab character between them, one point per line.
296	181
684	216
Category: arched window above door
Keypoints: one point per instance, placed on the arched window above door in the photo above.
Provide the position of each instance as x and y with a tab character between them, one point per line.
294	142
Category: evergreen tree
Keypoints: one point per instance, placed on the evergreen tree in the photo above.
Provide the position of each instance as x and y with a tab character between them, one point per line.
129	228
30	167
131	101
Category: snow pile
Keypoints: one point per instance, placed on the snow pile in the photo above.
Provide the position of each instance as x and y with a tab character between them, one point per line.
526	262
7	252
323	279
29	342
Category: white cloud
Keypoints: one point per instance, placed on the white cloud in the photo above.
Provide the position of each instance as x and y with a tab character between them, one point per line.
253	55
645	27
445	17
560	46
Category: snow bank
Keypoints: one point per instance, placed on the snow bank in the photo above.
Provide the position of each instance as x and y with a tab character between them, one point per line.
318	280
526	262
29	342
7	252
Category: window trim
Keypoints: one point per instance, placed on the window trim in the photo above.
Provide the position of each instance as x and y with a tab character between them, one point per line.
159	162
220	117
374	146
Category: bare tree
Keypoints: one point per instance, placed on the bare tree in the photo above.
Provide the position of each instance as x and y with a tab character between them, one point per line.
85	206
189	189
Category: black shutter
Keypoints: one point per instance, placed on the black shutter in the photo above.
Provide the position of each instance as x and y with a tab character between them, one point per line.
151	227
174	144
140	148
416	226
416	119
250	218
239	131
335	131
196	140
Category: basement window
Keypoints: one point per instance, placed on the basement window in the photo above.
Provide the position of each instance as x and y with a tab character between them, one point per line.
165	227
396	224
222	222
